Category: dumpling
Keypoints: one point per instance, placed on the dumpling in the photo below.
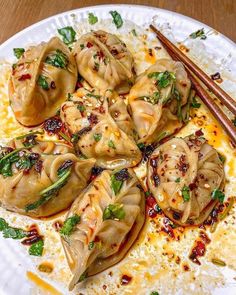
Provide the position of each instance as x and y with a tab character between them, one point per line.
111	212
41	80
157	98
96	134
104	61
41	184
183	175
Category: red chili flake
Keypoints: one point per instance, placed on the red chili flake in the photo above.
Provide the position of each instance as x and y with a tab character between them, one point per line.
182	165
156	179
89	44
186	267
114	51
125	280
93	119
198	250
38	166
100	55
57	225
24	77
150	52
152	213
53	85
216	76
66	165
151	201
192	186
78	85
204	237
96	170
53	125
31	240
100	109
167	228
199	133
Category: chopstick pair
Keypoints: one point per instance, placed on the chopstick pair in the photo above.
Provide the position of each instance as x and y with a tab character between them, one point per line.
190	67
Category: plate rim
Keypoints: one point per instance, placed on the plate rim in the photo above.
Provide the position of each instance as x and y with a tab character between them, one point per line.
99	6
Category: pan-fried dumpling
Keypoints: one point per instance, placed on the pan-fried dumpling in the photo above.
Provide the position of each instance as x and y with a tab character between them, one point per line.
111	212
157	98
41	184
95	132
41	80
104	61
185	175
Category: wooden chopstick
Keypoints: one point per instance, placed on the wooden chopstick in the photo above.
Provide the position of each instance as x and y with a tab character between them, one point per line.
228	101
208	101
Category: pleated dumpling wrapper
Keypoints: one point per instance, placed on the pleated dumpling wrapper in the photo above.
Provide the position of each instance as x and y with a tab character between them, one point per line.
104	61
110	214
41	80
157	100
41	180
96	134
186	176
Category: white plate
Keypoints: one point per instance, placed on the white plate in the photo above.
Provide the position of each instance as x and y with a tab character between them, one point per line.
14	261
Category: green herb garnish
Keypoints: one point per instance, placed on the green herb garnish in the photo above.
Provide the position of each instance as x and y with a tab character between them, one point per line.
116	184
92	18
111	144
42	82
218	195
37	248
68	35
198	34
117	19
83	277
81	108
97	136
152	99
69	225
29	134
82	46
50	192
141	145
154	293
114	211
91	245
195	104
177	180
18	52
93	95
134	32
11	232
58	59
186	193
163	79
222	158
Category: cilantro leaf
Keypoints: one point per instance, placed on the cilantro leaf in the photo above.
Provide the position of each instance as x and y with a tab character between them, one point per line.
154	293
14	233
177	180
68	34
114	211
18	52
58	59
218	195
134	32
186	193
3	224
198	34
69	225
97	136
163	79
91	245
117	19
195	104
37	248
49	192
92	18
111	144
42	82
116	184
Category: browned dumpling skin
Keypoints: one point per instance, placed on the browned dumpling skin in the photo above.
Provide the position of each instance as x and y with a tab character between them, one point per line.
41	80
104	61
110	222
182	174
43	180
97	134
156	106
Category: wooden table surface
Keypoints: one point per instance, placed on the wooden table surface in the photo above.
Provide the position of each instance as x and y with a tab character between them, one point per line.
18	14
